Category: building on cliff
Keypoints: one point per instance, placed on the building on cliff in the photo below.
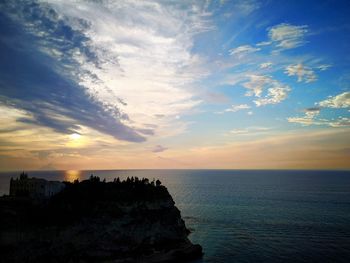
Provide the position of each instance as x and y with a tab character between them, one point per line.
34	187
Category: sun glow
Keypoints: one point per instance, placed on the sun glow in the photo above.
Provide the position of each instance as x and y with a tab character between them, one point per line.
75	136
71	175
76	140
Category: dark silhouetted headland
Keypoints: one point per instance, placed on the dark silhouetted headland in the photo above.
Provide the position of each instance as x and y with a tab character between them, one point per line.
134	220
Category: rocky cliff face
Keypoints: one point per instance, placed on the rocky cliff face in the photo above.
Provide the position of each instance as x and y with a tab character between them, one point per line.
96	222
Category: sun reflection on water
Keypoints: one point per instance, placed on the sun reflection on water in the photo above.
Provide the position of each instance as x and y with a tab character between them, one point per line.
71	175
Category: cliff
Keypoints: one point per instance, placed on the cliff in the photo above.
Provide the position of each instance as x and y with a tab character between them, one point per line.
93	221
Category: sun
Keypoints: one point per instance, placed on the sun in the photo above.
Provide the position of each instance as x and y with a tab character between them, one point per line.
75	136
76	140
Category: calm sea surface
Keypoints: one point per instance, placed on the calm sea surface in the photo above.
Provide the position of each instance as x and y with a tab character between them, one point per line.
252	216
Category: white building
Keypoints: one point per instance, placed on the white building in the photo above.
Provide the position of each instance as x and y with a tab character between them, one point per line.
34	187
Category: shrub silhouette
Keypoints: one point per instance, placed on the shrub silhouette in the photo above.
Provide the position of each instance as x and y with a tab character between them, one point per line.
94	197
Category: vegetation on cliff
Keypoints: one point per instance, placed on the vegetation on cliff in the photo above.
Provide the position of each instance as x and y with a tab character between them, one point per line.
94	197
134	220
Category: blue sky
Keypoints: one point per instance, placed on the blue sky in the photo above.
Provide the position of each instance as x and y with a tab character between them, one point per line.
85	80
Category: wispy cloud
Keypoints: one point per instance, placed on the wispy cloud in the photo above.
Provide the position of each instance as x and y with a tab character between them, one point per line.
111	66
303	73
256	85
311	115
243	50
339	101
235	108
240	7
287	36
152	42
274	95
324	67
312	110
308	118
250	131
247	6
275	90
264	43
266	65
159	148
340	122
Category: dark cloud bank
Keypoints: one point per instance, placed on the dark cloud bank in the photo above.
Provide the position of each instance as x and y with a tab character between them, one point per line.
43	85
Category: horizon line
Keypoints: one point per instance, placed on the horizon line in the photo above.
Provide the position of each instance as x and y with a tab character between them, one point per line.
183	169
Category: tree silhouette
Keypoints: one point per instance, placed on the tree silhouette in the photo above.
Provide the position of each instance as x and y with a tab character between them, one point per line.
95	179
23	175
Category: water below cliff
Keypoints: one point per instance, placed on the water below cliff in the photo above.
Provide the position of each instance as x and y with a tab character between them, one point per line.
252	216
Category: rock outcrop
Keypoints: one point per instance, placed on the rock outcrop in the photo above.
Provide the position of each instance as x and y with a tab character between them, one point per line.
93	221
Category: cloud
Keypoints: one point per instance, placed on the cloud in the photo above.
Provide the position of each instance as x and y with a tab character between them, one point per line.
274	95
264	43
239	7
266	65
239	131
243	50
111	66
256	85
152	42
159	148
303	73
310	118
250	131
53	100
301	120
235	108
247	6
340	122
339	101
324	67
312	109
287	36
275	90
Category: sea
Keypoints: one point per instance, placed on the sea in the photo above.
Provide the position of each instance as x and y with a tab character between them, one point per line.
251	215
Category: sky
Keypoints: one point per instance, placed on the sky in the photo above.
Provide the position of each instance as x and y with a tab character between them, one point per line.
174	84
